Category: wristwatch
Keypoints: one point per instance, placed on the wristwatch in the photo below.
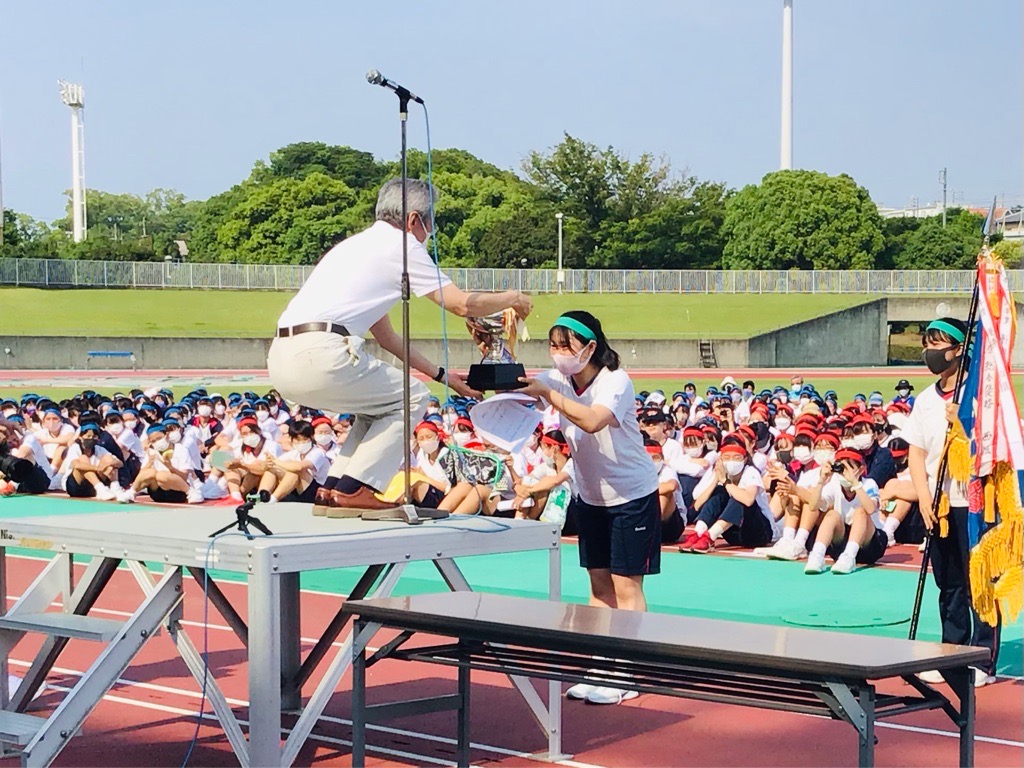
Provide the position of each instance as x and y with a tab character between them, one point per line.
440	375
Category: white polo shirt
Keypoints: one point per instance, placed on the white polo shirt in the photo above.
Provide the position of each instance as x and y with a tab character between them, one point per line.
316	457
669	475
926	429
612	465
358	281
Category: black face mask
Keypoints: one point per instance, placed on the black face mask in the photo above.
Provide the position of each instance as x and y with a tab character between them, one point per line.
786	457
88	444
901	466
936	360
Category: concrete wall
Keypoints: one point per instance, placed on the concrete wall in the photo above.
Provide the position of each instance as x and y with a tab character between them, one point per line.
924	310
858	336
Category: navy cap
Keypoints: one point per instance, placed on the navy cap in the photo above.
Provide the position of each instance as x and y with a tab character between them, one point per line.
89	427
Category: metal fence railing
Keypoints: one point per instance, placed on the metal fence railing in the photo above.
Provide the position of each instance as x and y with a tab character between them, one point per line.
59	273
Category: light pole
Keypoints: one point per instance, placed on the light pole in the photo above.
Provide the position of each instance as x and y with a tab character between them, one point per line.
560	275
73	95
786	149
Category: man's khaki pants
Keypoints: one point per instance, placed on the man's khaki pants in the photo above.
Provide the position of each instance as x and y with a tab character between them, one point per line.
335	373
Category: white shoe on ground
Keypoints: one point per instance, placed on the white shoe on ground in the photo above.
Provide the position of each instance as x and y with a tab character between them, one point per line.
785	549
580	690
127	496
194	496
605	695
844	564
932	677
103	493
920	547
815	564
891	539
982	678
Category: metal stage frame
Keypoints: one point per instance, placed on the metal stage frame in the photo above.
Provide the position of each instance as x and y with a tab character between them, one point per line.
179	538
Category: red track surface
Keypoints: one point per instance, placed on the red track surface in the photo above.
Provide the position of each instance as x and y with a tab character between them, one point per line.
148	718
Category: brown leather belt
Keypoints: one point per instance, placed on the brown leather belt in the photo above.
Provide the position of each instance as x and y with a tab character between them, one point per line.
295	330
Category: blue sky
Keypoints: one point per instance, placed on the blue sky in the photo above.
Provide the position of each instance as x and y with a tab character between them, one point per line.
189	94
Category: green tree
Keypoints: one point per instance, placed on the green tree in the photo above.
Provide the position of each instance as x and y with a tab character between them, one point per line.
297	161
288	221
933	246
802	220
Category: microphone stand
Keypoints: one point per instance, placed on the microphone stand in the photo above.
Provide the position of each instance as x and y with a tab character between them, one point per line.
403	116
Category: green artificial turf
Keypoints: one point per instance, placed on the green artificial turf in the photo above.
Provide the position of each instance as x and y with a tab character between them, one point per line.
173	313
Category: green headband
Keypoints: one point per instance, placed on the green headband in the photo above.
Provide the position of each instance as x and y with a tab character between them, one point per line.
951	330
577	326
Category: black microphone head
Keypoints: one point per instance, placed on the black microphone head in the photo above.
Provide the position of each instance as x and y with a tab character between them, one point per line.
264	496
373	77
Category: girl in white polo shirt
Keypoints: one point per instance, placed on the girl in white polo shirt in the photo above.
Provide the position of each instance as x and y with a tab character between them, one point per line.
619	516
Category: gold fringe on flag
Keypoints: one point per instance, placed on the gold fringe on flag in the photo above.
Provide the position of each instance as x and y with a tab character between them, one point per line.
996	573
958	453
943	514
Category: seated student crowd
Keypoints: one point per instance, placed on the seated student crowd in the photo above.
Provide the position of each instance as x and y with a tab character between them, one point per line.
736	466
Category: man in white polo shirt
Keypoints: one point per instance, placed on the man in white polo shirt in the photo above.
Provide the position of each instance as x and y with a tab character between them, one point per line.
318	358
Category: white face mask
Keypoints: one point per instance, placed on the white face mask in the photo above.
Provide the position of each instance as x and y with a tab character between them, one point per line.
174	437
161	445
115	429
658	465
801	454
252	440
531	442
303	447
8	412
204	410
903	392
461	438
431	410
733	467
430	445
130	425
219	409
323	439
274	410
783	423
711	446
846	442
895	432
863	442
262	416
694	453
570	365
824	458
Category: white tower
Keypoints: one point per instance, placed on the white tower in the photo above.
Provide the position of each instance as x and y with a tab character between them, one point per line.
786	149
73	95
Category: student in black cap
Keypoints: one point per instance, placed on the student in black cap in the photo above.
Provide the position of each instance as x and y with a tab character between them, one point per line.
903	390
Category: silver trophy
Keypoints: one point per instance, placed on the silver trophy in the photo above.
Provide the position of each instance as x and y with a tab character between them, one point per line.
496	337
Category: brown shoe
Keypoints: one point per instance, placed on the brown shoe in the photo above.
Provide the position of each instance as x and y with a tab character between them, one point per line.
321	502
354	504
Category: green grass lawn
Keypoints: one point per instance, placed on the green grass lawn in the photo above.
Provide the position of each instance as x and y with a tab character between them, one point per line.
170	313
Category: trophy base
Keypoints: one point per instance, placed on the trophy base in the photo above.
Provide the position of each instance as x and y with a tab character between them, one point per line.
496	377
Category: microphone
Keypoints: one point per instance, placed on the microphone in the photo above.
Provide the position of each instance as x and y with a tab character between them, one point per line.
373	77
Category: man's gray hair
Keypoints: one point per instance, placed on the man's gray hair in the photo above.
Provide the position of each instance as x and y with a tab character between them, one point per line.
418	198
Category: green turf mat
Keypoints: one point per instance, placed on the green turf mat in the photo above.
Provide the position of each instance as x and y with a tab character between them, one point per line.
872	601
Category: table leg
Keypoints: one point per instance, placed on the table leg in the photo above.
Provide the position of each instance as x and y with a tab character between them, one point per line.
358	696
867	734
554	725
264	662
962	682
462	753
291	644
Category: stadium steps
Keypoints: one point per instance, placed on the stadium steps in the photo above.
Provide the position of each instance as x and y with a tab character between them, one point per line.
708	358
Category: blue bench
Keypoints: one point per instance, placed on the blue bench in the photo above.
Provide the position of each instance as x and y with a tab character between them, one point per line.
108	353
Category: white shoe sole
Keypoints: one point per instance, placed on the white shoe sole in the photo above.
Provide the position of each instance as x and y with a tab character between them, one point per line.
607	696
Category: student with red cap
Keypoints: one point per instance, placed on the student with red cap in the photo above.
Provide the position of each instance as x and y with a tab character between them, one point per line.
850	531
732	504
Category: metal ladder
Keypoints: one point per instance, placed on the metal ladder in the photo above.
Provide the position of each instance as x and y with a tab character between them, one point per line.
708	359
38	740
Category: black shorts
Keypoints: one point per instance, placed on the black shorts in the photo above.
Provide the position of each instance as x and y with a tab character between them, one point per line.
36	481
869	554
625	538
77	490
432	498
163	496
672	528
307	496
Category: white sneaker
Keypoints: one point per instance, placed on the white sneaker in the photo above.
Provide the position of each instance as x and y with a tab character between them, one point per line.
815	564
580	691
103	493
194	496
844	564
127	496
932	677
604	695
116	489
982	678
891	539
